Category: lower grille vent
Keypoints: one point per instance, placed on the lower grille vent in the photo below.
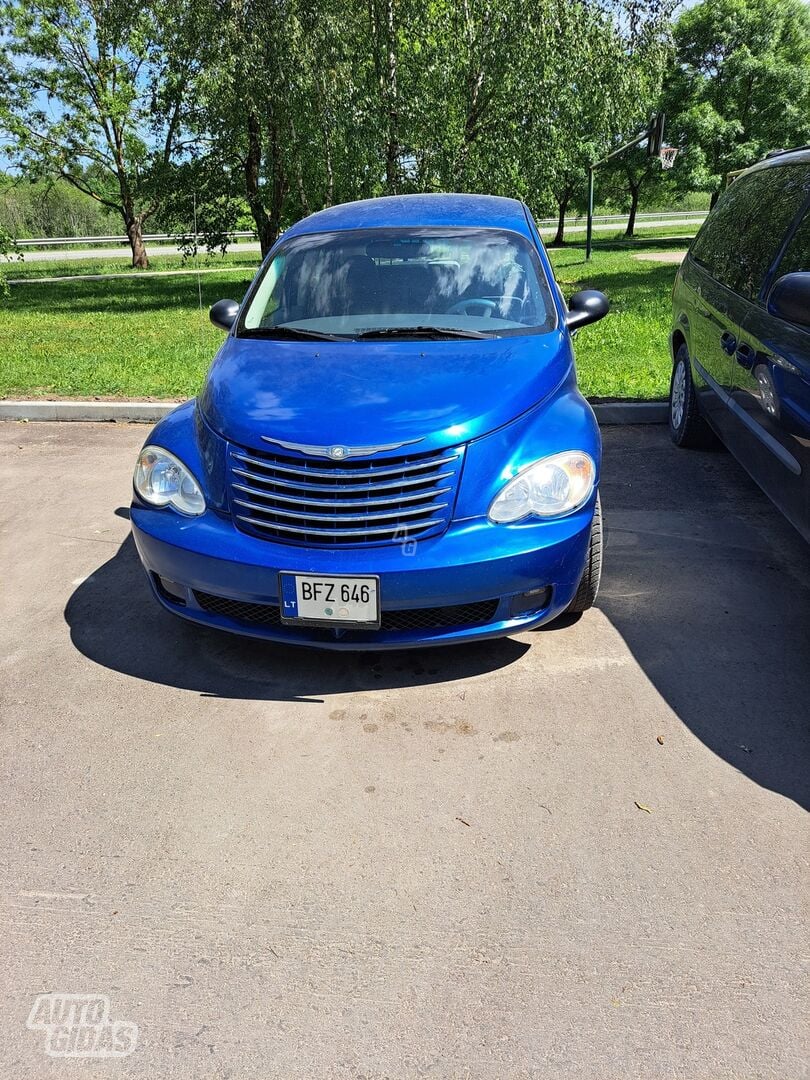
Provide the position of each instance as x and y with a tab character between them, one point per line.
435	618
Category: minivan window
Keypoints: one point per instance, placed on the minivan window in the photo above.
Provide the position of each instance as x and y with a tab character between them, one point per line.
401	282
742	235
797	254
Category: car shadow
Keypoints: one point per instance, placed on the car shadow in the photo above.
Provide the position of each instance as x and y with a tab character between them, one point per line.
710	589
115	621
618	284
706	583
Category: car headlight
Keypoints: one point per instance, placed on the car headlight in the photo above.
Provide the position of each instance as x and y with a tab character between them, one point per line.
162	480
550	487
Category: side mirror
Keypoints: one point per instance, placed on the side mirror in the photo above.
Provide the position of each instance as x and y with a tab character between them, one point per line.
586	307
223	314
789	299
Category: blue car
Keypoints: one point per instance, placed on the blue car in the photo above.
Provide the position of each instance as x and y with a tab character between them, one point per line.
390	449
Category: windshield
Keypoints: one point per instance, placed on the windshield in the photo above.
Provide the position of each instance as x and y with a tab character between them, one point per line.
401	283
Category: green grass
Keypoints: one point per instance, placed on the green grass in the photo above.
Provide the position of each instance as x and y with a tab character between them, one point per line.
625	355
142	337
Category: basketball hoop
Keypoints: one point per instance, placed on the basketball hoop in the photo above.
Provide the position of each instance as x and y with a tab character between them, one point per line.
667	156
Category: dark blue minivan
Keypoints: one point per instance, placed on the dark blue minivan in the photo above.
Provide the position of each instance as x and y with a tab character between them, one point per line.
741	331
390	448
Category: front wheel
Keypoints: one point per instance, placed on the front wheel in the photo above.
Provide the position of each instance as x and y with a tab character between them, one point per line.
592	574
686	426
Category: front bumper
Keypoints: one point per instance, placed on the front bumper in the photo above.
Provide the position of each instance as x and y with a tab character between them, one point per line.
227	579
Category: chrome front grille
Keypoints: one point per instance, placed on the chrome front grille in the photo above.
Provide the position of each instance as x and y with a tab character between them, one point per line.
313	501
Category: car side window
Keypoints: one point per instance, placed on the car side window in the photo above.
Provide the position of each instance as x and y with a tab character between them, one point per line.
797	254
742	235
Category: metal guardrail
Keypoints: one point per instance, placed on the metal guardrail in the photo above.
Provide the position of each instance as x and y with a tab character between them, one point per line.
55	241
150	238
620	219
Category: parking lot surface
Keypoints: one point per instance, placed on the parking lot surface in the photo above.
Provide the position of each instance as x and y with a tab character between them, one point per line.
578	853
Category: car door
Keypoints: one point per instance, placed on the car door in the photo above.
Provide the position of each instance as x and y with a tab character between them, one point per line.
729	259
717	309
772	386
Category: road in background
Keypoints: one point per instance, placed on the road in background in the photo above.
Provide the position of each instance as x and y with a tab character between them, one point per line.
158	248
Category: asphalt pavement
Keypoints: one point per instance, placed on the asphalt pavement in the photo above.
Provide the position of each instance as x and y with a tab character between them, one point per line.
580	853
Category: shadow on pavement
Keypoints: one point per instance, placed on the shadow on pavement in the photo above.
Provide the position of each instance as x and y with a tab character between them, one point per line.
705	582
710	589
115	621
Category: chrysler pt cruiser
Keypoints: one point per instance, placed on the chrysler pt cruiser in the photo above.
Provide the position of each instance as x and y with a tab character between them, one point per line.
390	448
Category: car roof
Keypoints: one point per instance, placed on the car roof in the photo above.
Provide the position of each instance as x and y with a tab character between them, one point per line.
801	156
410	211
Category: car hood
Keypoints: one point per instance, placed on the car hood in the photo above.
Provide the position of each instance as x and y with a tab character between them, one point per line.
368	393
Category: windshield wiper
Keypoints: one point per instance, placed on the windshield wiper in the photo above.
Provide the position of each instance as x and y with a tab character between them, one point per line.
283	331
419	331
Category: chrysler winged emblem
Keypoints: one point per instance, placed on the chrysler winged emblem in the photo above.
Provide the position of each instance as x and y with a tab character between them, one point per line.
338	453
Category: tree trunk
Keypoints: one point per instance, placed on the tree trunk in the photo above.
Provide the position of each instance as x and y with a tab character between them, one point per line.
329	194
303	198
278	183
134	227
253	161
559	239
392	147
715	197
635	190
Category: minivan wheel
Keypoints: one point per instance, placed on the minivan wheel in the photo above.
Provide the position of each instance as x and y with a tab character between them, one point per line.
591	576
686	426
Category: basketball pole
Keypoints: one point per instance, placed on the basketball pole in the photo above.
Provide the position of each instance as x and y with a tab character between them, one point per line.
654	135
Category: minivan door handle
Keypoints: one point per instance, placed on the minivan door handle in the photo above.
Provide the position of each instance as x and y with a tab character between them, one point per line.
745	356
728	343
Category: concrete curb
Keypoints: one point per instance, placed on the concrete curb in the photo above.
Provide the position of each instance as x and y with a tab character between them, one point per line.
149	412
127	412
631	412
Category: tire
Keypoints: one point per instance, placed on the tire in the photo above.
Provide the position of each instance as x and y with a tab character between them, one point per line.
592	574
687	427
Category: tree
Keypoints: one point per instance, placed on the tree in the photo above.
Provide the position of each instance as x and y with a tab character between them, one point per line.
8	251
649	53
272	104
627	175
97	97
741	86
603	64
468	62
8	248
51	207
204	204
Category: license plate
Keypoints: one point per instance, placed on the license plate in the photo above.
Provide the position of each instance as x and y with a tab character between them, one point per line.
330	601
